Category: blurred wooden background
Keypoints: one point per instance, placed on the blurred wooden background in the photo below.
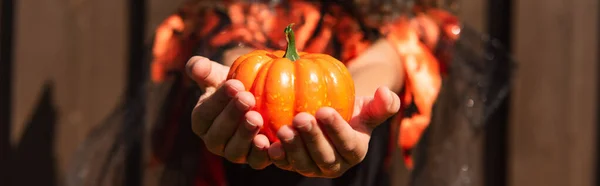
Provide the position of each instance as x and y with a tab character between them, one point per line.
80	48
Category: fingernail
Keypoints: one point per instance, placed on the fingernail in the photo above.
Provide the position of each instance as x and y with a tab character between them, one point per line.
231	90
390	93
250	126
286	134
306	126
241	105
190	68
393	105
259	146
277	153
328	118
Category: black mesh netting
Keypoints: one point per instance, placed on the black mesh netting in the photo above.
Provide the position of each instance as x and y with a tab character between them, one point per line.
450	152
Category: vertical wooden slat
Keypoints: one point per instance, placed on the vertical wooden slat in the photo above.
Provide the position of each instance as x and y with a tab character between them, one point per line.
6	66
135	92
499	24
553	127
597	174
81	47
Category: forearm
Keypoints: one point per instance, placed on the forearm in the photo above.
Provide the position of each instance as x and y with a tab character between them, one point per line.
376	67
369	78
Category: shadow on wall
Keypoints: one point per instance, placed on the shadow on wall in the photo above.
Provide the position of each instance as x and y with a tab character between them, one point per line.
33	161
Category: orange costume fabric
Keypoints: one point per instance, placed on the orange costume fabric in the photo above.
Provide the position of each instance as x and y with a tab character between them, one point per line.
319	28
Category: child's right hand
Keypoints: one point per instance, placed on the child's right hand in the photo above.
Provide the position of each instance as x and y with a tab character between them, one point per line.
222	117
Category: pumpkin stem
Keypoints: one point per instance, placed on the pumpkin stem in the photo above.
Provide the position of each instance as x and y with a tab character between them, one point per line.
291	52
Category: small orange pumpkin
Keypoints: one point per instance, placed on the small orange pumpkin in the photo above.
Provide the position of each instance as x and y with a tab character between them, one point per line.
286	83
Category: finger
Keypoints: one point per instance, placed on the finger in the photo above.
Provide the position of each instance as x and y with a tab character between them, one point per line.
342	135
207	110
259	155
209	91
227	122
206	72
239	145
384	104
295	152
277	155
320	149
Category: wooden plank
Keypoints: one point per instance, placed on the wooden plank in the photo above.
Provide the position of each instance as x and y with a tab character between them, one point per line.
499	25
553	127
81	47
473	13
6	84
158	10
137	68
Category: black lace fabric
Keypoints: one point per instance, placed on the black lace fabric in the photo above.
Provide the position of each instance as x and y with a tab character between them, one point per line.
450	153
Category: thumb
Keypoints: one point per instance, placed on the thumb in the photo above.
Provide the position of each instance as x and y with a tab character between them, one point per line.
384	104
205	72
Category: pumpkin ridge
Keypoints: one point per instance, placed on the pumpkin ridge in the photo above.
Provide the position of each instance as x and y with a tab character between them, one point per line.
333	69
294	79
259	94
345	73
236	64
235	69
276	72
281	95
239	71
326	80
326	73
275	95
